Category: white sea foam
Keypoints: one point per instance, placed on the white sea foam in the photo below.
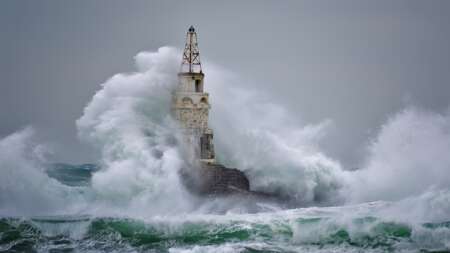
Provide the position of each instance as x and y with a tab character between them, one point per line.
25	188
409	157
406	171
276	150
128	119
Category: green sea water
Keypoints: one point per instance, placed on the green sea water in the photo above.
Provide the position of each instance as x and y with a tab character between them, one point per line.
217	234
352	228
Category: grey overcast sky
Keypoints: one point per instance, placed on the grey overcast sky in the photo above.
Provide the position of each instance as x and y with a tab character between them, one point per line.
354	62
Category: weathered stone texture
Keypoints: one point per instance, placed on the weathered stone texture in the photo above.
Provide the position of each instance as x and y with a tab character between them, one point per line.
215	179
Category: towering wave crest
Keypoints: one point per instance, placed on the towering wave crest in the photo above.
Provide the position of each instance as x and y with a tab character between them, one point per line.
409	157
277	152
129	120
25	188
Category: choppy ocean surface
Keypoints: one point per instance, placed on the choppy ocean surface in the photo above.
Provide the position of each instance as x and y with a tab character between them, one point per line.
398	201
262	233
354	228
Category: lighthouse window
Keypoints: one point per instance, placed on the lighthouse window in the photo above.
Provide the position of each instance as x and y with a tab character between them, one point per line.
197	86
187	101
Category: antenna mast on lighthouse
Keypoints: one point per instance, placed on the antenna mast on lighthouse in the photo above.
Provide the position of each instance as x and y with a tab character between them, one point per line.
191	54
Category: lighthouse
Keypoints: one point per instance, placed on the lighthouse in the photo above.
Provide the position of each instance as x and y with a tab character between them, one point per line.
190	106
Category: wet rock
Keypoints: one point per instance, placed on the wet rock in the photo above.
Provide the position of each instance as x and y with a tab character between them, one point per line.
212	179
216	179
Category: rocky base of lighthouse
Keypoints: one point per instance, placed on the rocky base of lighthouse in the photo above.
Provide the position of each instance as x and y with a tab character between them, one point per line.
213	179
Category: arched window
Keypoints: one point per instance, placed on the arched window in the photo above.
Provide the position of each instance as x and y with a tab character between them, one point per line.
203	100
187	101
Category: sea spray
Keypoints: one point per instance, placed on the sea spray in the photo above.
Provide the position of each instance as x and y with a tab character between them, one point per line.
409	156
276	150
135	203
25	188
129	120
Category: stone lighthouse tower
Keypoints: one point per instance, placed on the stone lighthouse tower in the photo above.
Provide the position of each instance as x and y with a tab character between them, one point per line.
190	104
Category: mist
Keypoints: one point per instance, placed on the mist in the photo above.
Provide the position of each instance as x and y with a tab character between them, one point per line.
353	62
128	122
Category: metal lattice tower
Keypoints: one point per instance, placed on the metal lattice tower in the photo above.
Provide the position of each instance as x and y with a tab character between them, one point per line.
191	54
